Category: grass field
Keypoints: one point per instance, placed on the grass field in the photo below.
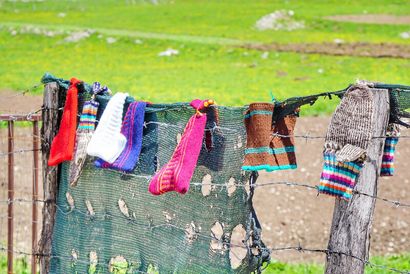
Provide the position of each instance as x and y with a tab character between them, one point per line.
205	33
22	266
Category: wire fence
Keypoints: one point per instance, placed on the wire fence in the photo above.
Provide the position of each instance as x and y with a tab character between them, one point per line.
396	203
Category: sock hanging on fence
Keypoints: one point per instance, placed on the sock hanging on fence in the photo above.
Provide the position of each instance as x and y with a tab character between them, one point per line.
393	133
258	123
346	142
212	153
107	142
132	129
63	143
177	173
338	178
85	131
270	144
283	143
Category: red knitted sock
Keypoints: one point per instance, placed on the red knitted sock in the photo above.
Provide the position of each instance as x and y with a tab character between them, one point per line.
177	173
62	146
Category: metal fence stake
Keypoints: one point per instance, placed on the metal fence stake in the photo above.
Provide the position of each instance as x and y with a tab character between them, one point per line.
10	209
35	197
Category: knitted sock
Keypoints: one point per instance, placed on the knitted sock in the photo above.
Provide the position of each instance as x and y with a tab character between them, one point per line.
388	156
351	124
177	173
282	144
63	143
107	142
387	168
211	155
132	129
338	178
85	130
258	123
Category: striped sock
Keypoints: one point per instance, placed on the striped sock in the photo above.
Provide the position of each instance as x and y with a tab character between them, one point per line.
387	168
338	178
85	131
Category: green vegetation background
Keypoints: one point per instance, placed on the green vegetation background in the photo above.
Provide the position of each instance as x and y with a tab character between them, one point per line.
210	64
206	34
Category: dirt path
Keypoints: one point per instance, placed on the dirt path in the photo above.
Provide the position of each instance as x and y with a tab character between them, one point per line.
340	49
384	19
345	49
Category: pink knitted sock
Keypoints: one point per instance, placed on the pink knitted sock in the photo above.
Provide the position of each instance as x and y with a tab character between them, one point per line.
177	173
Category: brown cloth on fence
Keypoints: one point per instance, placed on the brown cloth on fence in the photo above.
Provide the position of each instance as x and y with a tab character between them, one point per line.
270	144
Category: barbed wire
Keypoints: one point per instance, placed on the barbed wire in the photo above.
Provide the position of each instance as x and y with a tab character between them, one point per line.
18	151
24	91
396	203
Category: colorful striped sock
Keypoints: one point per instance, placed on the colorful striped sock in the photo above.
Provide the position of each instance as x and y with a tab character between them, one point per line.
132	129
387	168
85	131
338	178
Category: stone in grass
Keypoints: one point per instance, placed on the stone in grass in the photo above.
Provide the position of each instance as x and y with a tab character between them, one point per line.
169	52
279	20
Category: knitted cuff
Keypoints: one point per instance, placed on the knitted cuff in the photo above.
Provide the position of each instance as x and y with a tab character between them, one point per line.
258	123
107	142
338	179
283	143
84	132
387	168
80	154
212	153
350	129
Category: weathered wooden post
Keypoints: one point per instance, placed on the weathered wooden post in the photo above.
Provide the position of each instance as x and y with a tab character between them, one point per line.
51	118
352	221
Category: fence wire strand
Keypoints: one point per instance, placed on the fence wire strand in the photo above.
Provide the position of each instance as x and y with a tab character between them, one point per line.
226	245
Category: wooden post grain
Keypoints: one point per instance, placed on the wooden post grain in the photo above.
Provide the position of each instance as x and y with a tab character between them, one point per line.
352	221
50	118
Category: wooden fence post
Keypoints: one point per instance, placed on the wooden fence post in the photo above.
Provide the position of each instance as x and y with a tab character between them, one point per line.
50	118
352	221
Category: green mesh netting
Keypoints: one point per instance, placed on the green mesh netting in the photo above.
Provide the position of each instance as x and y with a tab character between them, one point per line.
110	223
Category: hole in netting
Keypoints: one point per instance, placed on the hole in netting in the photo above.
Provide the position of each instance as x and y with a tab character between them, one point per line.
92	269
191	232
123	207
70	200
240	143
168	216
152	269
237	250
118	265
216	234
90	208
74	255
231	186
179	136
206	185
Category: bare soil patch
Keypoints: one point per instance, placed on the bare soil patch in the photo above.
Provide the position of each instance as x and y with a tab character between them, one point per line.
17	103
380	50
372	19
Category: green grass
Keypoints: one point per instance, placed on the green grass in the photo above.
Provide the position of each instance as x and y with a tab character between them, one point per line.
21	265
208	64
400	262
231	76
232	18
